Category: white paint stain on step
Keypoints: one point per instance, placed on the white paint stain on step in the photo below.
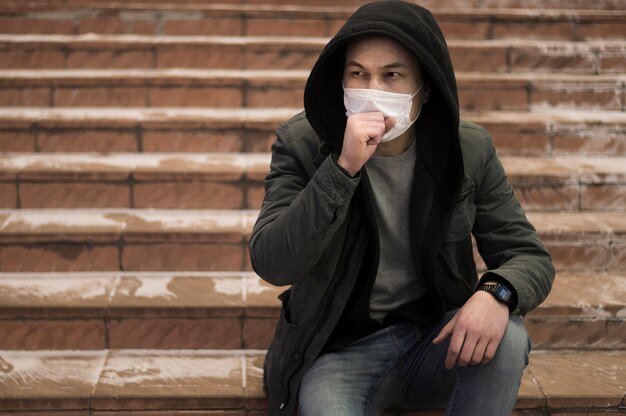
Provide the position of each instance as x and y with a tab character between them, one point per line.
169	369
24	373
62	288
146	287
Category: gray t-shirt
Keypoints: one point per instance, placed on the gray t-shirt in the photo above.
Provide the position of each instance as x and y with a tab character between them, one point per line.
396	283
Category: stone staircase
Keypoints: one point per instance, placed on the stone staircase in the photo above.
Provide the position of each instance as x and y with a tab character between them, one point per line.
134	140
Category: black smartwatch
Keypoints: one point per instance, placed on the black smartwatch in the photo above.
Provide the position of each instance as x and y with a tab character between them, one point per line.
498	291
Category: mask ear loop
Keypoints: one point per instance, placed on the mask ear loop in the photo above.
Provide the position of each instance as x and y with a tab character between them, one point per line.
418	90
421	104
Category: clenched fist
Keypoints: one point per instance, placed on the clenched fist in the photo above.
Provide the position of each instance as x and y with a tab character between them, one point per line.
363	134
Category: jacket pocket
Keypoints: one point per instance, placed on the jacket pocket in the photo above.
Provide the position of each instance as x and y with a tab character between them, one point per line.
457	273
460	224
277	362
285	312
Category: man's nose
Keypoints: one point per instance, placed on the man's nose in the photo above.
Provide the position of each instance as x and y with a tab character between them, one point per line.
375	84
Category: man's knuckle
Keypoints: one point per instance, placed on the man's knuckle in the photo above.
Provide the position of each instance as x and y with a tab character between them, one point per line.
461	325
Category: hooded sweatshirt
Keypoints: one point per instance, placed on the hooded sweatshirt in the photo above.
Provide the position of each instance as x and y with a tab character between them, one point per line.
439	173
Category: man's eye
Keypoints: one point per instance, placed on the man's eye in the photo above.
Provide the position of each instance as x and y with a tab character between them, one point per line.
358	73
392	74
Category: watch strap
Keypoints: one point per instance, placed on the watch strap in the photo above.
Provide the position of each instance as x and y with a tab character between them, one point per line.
499	291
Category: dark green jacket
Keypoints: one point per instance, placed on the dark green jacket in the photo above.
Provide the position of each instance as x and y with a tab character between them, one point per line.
312	233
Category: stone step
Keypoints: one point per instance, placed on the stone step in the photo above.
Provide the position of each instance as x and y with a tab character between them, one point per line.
583	311
210	19
290	52
157	180
173	88
186	310
48	240
235	181
136	310
103	382
269	88
482	5
540	133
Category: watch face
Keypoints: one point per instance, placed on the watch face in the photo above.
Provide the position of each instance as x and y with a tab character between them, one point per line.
503	293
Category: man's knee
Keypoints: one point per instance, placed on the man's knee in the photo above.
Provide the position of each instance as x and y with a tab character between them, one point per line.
325	391
320	399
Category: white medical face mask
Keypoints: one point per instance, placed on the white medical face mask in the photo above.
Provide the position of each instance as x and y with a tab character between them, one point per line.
391	104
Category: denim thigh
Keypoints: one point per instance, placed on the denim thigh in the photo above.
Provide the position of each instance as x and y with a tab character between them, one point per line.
399	366
363	379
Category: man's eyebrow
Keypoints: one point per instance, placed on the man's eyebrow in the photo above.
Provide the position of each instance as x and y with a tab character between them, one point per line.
397	64
354	63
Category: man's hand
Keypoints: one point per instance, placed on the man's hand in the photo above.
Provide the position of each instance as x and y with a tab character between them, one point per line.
476	329
362	135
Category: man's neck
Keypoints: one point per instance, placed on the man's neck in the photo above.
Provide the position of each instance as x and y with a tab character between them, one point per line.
397	146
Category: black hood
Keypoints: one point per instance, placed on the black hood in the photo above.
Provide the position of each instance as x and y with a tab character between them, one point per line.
438	172
415	28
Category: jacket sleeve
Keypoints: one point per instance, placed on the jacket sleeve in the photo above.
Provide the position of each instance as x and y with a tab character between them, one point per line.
506	240
299	215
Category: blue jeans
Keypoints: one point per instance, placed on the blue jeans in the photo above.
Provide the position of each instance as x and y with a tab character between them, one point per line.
398	366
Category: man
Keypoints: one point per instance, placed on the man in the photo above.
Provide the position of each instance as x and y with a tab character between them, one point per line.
370	204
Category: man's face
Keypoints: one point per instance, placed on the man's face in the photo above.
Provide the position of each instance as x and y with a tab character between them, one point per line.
380	63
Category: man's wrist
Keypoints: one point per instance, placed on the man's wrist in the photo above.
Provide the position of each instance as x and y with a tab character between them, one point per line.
341	163
493	278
